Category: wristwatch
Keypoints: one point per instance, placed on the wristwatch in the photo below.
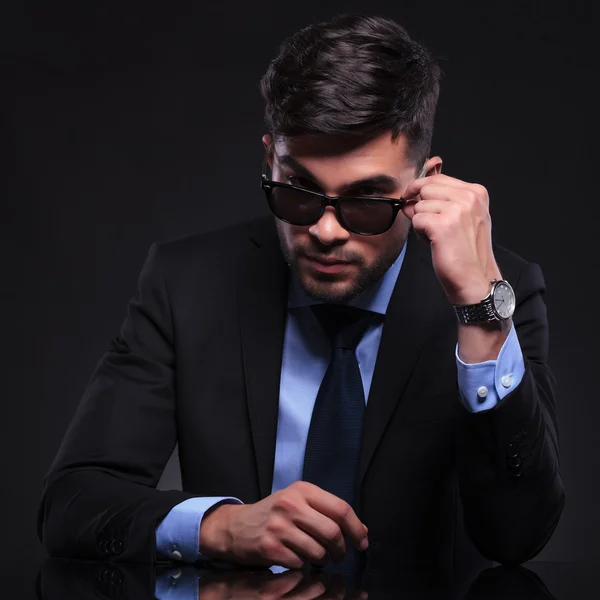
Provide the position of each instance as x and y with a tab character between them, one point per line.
498	305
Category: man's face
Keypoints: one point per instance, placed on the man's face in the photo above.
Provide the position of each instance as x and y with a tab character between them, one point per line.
331	166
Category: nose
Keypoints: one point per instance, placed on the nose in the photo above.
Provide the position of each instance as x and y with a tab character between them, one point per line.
328	229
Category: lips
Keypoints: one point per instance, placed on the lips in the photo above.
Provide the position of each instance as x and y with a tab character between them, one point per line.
327	261
327	265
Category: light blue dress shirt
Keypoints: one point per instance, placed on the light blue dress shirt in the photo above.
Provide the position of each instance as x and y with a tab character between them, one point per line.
304	362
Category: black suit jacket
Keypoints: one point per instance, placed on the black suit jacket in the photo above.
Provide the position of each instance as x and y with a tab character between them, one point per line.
198	361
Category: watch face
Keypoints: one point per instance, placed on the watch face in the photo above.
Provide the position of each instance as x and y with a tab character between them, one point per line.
504	300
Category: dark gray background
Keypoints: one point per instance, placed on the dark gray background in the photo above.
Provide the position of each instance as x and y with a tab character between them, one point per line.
128	124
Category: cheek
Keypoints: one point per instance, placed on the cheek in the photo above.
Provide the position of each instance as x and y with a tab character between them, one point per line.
290	236
387	244
373	250
367	248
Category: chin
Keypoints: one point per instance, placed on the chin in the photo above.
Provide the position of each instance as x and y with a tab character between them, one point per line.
339	291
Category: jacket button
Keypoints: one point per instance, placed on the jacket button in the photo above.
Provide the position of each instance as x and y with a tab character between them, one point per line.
513	451
514	462
116	547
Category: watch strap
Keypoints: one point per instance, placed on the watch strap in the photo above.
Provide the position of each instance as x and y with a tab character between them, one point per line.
482	312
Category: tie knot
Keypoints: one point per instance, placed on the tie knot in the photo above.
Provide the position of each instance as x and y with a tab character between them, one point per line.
344	325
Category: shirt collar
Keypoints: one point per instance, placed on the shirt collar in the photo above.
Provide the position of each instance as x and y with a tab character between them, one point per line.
375	299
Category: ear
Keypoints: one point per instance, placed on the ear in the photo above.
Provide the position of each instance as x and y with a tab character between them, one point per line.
434	166
267	139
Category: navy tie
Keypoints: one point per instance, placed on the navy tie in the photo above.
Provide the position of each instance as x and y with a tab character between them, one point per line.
334	436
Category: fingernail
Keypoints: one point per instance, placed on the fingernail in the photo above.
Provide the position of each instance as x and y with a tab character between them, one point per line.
364	544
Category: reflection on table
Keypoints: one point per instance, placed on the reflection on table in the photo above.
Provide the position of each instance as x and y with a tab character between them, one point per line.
61	579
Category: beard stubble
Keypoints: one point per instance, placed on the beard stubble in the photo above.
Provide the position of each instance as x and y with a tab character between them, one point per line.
325	289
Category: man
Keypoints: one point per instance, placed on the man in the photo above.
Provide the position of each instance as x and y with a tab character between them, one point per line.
364	370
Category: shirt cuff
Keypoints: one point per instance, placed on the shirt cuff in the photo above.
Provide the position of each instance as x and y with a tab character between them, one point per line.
178	534
483	385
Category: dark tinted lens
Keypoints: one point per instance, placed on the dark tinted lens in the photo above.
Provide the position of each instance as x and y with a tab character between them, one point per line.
366	216
294	206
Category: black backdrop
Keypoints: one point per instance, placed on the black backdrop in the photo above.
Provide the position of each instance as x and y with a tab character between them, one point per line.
129	123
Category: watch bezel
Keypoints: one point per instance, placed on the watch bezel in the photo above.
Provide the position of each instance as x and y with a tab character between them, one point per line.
496	283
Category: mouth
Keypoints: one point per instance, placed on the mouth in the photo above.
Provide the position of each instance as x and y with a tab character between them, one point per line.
324	264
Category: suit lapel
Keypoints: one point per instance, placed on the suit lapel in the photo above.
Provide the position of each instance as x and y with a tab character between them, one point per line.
262	302
411	312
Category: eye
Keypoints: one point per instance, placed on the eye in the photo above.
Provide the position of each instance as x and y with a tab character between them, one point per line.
366	191
302	182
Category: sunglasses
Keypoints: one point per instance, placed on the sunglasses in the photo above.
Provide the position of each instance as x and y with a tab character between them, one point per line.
364	215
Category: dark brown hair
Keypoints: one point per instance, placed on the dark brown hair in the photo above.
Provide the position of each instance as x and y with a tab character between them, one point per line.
355	74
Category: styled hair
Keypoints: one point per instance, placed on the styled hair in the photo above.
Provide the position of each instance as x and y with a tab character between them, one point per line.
353	75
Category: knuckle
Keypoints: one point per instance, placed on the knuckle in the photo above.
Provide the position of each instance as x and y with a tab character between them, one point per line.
285	502
268	547
480	191
425	189
333	533
458	209
419	220
275	525
471	196
343	509
300	486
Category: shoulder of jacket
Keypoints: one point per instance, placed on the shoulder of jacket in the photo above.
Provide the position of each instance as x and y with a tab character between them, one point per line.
225	243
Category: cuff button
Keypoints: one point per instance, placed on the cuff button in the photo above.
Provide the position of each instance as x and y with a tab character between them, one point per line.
116	546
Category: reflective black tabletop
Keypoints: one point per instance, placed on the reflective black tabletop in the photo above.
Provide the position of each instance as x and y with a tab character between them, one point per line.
60	579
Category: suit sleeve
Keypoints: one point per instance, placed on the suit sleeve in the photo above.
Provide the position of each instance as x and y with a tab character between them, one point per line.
100	498
508	456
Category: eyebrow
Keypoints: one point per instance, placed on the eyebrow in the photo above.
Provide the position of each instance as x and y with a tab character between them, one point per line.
381	180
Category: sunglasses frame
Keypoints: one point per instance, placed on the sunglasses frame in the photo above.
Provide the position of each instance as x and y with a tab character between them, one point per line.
268	185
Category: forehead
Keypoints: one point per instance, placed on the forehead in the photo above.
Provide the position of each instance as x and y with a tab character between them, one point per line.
323	153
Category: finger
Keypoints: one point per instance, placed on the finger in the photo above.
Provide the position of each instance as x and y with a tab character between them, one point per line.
339	511
471	195
286	557
436	191
414	187
323	529
427	206
427	224
305	545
